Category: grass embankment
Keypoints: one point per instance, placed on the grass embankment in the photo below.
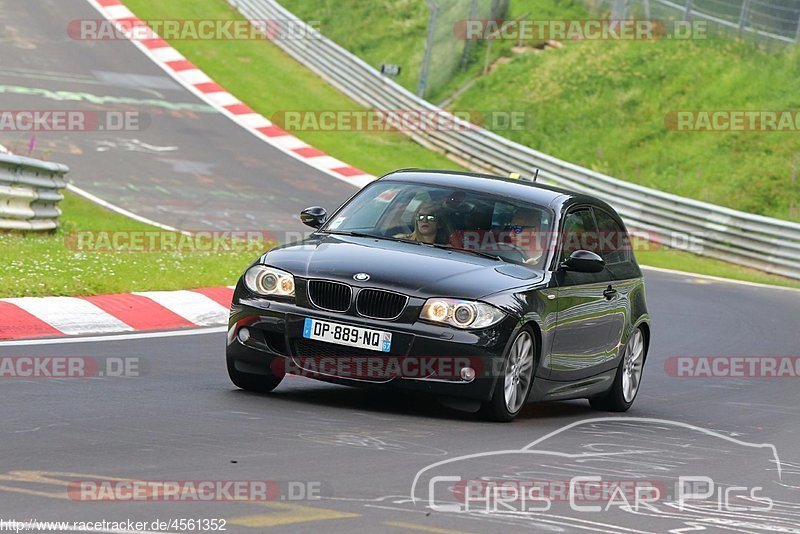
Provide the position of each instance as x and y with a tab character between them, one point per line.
602	104
258	73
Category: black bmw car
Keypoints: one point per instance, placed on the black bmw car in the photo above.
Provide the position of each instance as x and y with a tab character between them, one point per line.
478	289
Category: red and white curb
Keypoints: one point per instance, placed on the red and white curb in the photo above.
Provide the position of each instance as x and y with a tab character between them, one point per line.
35	317
196	81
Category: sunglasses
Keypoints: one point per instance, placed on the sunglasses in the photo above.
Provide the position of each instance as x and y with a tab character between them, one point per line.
518	228
429	218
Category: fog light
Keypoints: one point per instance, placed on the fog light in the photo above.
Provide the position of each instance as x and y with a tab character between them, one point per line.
467	374
243	335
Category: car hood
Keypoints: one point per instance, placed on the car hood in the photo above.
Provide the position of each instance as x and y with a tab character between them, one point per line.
413	269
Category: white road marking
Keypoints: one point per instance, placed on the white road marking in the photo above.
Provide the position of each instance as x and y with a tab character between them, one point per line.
119	12
167	54
122	211
253	120
222	98
120	337
329	162
289	142
193	76
716	278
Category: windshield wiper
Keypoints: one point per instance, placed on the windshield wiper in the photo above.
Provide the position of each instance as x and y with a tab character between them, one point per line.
468	251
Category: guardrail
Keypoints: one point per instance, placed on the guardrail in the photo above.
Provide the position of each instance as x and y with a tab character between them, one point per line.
29	193
762	243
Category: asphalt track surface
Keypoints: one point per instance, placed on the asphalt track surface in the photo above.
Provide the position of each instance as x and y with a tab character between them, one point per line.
182	420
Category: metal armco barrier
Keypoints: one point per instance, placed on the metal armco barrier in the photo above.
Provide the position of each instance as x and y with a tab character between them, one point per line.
762	243
29	193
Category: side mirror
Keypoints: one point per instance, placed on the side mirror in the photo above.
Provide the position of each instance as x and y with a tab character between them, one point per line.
584	261
314	217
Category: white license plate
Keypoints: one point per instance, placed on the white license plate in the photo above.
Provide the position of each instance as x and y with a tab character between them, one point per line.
351	336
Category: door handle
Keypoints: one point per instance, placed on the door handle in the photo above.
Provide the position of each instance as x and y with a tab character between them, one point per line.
610	293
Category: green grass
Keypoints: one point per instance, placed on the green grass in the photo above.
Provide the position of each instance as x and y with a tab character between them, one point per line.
44	265
395	32
258	73
684	261
602	104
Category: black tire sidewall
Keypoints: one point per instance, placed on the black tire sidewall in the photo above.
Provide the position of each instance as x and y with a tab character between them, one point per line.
496	408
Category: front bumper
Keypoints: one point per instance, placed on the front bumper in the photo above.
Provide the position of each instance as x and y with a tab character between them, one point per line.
275	344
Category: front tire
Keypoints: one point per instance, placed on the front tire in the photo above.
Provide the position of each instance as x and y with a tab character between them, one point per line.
628	379
252	382
512	389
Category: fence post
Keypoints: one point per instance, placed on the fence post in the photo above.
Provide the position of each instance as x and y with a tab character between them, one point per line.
797	35
743	15
687	15
647	9
473	12
426	61
618	10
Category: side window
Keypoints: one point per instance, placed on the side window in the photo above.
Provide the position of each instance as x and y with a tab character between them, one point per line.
613	242
578	233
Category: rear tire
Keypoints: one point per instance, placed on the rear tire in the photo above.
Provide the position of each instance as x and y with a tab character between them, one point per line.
628	379
252	382
512	389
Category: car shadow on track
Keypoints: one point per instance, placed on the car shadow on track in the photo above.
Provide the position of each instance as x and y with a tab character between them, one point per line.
379	401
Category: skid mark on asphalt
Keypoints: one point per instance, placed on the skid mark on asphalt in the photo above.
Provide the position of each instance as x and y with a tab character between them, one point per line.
289	514
381	441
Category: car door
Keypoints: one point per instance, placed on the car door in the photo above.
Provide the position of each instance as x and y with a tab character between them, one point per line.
583	343
615	249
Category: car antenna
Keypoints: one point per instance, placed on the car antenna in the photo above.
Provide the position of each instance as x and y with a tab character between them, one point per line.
517	176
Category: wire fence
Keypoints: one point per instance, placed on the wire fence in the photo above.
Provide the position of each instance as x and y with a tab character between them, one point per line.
445	52
762	20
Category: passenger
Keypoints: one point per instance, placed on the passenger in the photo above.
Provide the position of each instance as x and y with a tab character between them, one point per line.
430	225
525	235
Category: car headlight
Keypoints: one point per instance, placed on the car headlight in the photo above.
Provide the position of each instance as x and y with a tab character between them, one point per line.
268	281
461	313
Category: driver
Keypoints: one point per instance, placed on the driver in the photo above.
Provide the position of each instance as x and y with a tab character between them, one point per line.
524	234
429	225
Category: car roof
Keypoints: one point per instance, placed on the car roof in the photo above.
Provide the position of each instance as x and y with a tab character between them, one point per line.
528	191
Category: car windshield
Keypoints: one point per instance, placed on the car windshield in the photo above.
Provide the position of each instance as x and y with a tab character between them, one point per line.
469	221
